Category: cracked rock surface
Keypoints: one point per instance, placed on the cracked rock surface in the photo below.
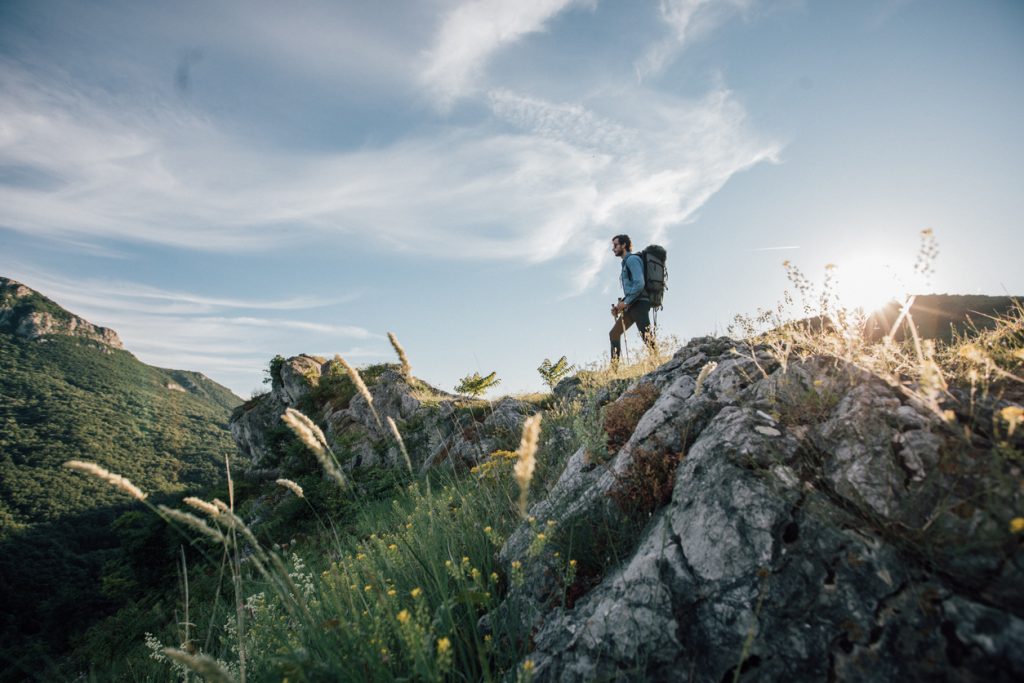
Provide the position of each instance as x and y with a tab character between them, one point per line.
821	527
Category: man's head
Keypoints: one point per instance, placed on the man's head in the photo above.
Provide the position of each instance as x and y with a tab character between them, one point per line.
621	245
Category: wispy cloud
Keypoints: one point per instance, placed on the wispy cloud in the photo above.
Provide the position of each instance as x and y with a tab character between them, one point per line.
643	178
536	172
686	20
527	171
472	32
193	332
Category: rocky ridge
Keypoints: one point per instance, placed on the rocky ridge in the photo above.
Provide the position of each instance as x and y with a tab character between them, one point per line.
29	315
821	527
439	428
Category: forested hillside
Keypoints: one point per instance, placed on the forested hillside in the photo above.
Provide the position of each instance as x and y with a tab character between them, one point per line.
68	391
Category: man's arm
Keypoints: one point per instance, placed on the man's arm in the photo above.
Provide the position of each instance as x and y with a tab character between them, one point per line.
635	286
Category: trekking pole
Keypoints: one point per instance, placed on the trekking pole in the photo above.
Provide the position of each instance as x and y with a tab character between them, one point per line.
625	346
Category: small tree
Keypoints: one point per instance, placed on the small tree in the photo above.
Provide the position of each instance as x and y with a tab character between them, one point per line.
474	385
553	373
273	372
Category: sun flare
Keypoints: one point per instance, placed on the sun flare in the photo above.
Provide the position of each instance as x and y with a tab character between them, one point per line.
867	282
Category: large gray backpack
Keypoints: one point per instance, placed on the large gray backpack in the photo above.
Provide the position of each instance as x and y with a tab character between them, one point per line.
655	273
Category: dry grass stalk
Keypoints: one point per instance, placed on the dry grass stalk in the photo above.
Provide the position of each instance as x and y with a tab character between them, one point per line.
115	480
527	461
401	442
357	380
406	368
204	665
202	506
291	486
708	368
193	522
311	435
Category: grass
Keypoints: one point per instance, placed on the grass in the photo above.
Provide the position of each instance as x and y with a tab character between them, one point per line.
384	579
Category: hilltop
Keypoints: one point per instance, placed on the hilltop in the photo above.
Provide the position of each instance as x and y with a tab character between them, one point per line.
801	503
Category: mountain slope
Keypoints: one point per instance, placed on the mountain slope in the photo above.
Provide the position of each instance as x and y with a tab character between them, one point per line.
68	390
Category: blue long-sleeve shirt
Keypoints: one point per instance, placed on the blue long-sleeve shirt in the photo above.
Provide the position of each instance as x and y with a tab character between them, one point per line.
632	278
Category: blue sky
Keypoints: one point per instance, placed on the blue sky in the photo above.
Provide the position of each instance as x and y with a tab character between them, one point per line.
224	181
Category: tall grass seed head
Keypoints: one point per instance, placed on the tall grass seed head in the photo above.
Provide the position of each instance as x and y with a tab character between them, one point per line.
357	380
400	351
123	484
201	505
291	486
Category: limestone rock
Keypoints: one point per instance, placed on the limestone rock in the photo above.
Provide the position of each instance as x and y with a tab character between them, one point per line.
817	530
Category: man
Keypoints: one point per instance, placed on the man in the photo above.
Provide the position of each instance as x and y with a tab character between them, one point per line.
634	306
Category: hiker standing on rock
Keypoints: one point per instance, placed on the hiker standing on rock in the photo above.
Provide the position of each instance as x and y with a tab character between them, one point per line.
635	304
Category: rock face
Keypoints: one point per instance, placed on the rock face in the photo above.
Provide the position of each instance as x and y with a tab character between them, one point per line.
439	429
821	527
28	314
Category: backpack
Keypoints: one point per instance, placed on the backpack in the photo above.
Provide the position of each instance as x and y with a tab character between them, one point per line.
655	273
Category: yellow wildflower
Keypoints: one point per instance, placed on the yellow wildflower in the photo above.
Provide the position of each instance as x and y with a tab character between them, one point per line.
403	616
360	556
487	529
367	588
392	547
1013	415
494	576
416	592
528	666
392	592
516	564
443	645
1017	525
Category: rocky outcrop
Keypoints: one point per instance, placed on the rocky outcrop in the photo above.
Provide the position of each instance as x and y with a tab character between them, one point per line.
821	527
29	315
438	428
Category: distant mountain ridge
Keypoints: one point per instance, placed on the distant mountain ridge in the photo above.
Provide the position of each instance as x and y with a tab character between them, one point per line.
26	313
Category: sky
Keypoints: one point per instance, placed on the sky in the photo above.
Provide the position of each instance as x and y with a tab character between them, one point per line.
221	182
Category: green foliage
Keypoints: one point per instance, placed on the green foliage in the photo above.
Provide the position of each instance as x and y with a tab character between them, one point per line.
62	565
273	371
474	385
553	373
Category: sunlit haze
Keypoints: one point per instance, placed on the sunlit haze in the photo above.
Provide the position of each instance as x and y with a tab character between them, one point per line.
221	182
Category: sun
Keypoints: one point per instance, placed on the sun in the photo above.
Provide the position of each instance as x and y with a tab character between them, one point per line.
868	282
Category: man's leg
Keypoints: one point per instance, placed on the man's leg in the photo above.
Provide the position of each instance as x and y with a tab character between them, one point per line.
640	311
623	323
